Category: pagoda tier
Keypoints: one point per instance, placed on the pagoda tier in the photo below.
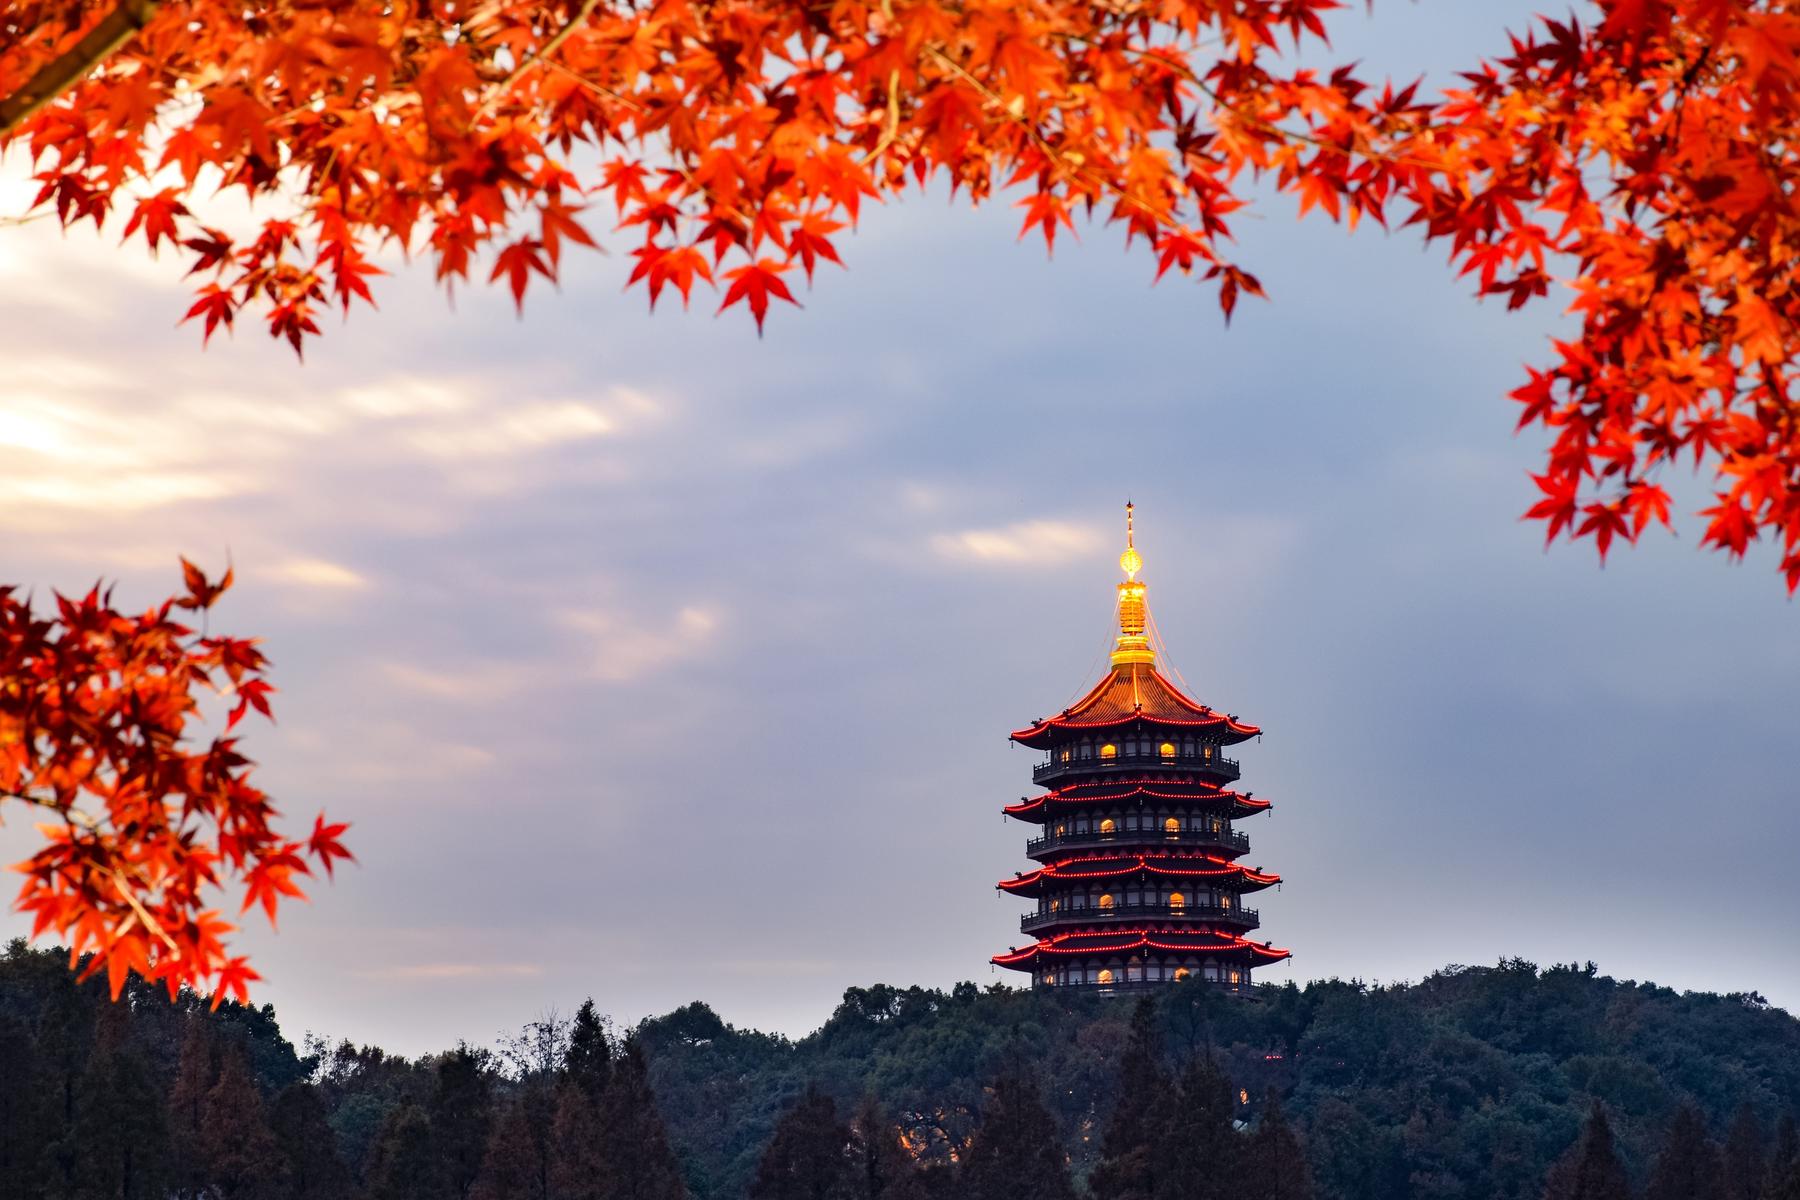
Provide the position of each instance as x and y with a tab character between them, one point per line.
1145	795
1141	957
1139	881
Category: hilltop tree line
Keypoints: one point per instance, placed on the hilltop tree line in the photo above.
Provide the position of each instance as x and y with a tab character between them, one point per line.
1477	1083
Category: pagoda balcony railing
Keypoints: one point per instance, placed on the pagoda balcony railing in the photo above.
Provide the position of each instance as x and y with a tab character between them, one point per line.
1134	986
1043	918
1128	836
1214	764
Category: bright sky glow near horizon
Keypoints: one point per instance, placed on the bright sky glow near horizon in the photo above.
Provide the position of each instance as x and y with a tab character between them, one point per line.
656	662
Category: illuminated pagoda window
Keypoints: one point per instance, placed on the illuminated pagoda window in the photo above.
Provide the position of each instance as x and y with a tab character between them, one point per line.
1140	876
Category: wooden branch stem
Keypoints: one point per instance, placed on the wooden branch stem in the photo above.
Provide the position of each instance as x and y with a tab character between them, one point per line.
62	72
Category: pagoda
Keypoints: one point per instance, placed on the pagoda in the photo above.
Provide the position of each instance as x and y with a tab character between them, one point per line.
1139	879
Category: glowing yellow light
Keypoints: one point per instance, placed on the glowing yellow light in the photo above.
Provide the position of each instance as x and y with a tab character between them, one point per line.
1131	562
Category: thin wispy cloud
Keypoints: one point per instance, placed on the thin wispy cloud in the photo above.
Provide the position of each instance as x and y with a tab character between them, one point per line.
439	972
1028	543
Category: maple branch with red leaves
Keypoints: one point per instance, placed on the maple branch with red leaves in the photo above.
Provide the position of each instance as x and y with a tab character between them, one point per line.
98	704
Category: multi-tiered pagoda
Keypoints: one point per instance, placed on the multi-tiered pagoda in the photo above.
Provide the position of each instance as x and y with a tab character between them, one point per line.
1140	878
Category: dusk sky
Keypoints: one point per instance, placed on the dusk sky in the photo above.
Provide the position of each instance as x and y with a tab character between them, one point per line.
656	662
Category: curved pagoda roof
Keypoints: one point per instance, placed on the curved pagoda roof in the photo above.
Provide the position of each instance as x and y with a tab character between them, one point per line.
1212	943
1117	866
1102	791
1134	690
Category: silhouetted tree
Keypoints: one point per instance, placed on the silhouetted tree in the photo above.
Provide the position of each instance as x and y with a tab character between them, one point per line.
1591	1169
1199	1155
461	1111
641	1165
64	1042
1140	1106
307	1146
588	1060
1274	1164
1745	1166
880	1165
578	1158
1016	1151
195	1073
404	1163
808	1158
1687	1167
1784	1162
239	1158
517	1164
120	1128
22	1124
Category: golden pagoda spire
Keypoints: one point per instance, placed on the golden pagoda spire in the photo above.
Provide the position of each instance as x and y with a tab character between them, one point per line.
1134	644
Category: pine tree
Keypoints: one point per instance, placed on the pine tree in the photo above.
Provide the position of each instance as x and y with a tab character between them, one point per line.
1745	1167
461	1111
1784	1163
1275	1166
119	1122
1198	1154
1016	1151
404	1163
1127	1150
195	1073
579	1169
588	1059
307	1145
64	1043
239	1156
517	1165
808	1158
641	1164
1591	1169
21	1116
1687	1167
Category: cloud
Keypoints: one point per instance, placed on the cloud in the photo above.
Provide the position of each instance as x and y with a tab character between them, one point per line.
316	572
627	647
1038	543
469	683
429	972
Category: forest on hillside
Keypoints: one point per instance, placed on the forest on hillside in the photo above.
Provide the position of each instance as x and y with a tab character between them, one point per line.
1501	1082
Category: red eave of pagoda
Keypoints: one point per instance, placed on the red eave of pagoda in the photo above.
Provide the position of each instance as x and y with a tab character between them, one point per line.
1135	692
1114	865
1125	789
1199	941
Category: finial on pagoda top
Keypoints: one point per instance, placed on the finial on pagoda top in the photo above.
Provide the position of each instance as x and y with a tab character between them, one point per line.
1130	561
1133	645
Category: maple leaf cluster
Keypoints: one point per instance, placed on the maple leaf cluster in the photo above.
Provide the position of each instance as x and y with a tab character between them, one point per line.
95	713
1656	149
1647	153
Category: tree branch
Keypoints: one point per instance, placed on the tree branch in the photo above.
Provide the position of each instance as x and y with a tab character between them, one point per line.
57	76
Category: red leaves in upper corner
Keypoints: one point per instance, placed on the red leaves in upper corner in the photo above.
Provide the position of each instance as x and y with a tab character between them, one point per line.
142	817
1649	153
